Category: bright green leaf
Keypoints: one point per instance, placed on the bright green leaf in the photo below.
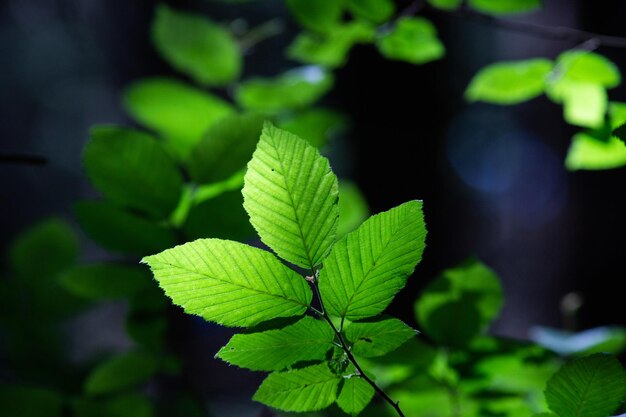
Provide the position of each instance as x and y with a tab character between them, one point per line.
274	350
229	283
19	401
317	15
377	11
378	338
353	209
290	194
97	281
196	46
120	373
369	266
132	169
414	40
617	114
584	104
121	231
460	304
588	152
177	111
295	89
225	148
307	389
505	6
587	67
620	132
355	395
446	4
593	386
510	82
317	126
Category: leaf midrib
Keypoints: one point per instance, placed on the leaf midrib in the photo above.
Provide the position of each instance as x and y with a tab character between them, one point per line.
586	389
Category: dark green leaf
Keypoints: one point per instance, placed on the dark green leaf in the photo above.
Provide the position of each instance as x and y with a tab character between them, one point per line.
446	4
378	338
505	6
317	15
317	126
102	281
355	395
593	386
19	401
120	373
377	11
196	46
414	40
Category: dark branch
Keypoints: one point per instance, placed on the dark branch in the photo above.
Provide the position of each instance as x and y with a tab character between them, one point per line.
22	159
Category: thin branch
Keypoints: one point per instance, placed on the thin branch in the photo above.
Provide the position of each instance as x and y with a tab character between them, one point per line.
22	159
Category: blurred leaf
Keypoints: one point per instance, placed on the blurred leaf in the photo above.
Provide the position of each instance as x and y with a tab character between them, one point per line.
123	405
509	407
121	372
221	217
104	281
617	114
608	339
316	15
178	112
225	148
316	125
295	89
504	6
195	45
308	389
121	231
22	401
584	104
353	209
146	320
132	169
371	339
510	82
413	39
355	395
330	49
588	152
593	386
587	67
460	304
446	4
376	11
620	132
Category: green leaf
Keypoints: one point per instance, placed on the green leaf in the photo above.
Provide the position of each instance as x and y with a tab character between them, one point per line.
620	132
617	114
510	82
129	405
179	113
274	350
22	401
229	283
132	169
295	89
44	250
120	231
290	194
607	339
355	395
317	126
584	104
445	4
225	148
378	338
369	266
330	49
587	67
376	11
102	281
353	209
593	386
120	373
307	389
588	152
505	6
197	46
317	15
460	304
414	40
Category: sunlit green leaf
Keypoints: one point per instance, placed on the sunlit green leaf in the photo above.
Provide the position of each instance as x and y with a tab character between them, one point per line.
446	4
307	389
121	231
177	111
121	372
229	283
353	209
132	169
588	152
372	339
377	11
22	401
510	82
317	126
295	89
505	6
317	15
460	304
274	350
290	194
225	148
330	49
369	266
584	104
617	114
96	281
413	39
355	395
587	67
196	46
593	386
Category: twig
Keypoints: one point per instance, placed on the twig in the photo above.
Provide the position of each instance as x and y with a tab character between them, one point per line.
22	159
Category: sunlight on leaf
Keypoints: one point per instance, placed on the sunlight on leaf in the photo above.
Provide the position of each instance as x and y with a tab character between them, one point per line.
588	152
414	40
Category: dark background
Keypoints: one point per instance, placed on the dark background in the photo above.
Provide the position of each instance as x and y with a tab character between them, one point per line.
492	178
